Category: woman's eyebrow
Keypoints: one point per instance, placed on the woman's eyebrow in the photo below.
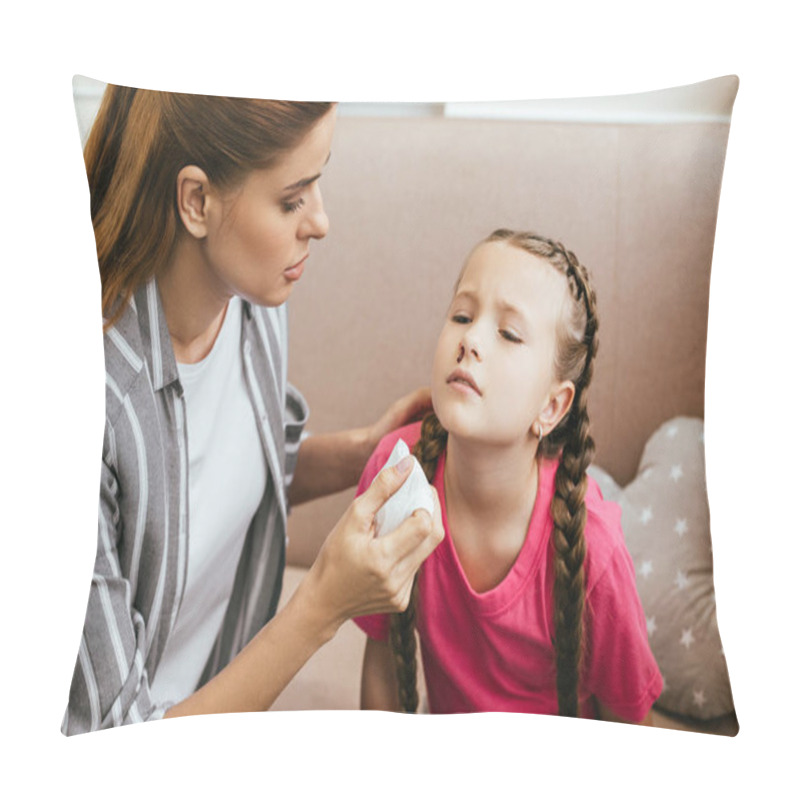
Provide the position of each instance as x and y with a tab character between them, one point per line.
306	181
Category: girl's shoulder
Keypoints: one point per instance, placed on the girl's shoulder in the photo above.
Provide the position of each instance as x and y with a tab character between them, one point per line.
409	434
605	541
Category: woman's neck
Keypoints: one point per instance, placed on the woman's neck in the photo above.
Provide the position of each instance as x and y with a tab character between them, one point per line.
193	306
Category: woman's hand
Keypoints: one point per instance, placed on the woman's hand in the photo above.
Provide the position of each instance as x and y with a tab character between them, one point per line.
331	462
412	407
356	573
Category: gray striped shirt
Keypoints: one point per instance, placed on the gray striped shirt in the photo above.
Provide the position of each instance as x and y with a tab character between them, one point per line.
143	523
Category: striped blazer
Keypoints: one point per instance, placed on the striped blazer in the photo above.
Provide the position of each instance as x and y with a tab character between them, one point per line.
143	522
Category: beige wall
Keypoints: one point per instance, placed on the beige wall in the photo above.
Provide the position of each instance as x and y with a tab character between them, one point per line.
408	198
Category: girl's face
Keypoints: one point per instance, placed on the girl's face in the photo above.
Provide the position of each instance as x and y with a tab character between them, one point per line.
493	365
258	234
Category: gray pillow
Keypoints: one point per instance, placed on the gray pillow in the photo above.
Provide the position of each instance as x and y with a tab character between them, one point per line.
666	525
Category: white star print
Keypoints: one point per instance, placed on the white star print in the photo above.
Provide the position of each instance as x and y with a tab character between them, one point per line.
676	473
681	526
699	698
651	625
646	568
687	639
647	515
672	431
681	581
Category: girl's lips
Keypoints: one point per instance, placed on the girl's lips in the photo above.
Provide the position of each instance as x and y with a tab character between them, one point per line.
462	381
293	273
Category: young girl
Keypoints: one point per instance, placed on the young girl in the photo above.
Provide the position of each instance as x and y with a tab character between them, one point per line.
530	602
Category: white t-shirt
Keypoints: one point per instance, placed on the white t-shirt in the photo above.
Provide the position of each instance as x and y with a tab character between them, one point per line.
227	476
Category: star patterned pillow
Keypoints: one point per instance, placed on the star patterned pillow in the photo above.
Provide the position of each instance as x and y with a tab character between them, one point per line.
665	520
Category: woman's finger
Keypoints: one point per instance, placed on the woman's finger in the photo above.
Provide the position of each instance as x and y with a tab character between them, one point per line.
384	486
415	539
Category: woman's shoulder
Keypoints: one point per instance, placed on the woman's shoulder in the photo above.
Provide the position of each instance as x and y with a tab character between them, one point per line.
124	356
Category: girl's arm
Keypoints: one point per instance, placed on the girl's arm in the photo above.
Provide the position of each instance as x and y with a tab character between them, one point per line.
355	574
378	678
332	462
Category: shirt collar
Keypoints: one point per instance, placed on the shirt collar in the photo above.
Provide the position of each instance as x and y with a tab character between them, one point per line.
156	341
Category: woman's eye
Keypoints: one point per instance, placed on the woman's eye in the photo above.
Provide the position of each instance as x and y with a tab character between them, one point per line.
295	205
509	336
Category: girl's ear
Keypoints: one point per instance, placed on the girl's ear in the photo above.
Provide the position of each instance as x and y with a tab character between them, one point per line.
192	187
557	407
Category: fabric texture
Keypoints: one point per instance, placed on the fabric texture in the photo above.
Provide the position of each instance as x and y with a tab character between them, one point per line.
493	651
144	526
667	530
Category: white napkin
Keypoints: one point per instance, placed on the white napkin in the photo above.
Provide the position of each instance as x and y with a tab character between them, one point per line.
413	494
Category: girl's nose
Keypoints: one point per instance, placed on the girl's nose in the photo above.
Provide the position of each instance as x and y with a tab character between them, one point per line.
469	345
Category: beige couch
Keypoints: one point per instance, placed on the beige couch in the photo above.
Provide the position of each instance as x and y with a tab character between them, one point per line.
408	198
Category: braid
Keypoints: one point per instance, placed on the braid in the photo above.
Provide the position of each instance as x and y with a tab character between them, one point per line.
402	637
571	439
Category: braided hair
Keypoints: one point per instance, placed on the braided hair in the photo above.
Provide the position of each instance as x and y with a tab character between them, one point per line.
571	442
402	636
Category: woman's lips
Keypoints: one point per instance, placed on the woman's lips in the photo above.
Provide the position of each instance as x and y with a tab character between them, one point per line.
462	381
293	273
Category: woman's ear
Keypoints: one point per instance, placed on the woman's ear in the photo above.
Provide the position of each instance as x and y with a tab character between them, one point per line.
558	406
192	187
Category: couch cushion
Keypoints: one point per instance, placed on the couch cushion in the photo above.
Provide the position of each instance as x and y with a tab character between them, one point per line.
666	524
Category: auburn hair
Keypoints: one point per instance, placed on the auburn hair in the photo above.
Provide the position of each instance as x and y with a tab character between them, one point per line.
138	144
571	442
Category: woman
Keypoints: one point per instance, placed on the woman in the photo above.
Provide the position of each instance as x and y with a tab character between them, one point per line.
203	210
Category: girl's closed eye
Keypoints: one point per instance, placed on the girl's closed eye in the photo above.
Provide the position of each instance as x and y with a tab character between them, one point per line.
460	318
510	336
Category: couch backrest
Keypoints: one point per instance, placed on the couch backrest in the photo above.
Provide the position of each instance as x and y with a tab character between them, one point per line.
408	198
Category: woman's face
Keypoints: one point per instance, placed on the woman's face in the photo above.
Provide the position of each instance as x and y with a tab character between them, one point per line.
493	364
258	234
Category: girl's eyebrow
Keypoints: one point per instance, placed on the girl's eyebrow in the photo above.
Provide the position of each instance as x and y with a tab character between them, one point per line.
306	181
510	308
504	305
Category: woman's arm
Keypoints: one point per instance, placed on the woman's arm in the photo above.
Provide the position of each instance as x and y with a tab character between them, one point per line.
355	574
332	462
378	678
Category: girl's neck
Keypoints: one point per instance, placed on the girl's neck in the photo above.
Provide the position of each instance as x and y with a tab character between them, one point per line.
490	483
194	306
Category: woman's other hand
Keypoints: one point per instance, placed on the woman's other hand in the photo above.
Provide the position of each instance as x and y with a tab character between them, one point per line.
410	408
356	573
332	462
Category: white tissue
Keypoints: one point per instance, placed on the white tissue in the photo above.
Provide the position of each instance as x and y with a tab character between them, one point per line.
413	494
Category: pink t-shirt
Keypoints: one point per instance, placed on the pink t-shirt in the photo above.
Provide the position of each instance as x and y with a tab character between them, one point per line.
493	651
